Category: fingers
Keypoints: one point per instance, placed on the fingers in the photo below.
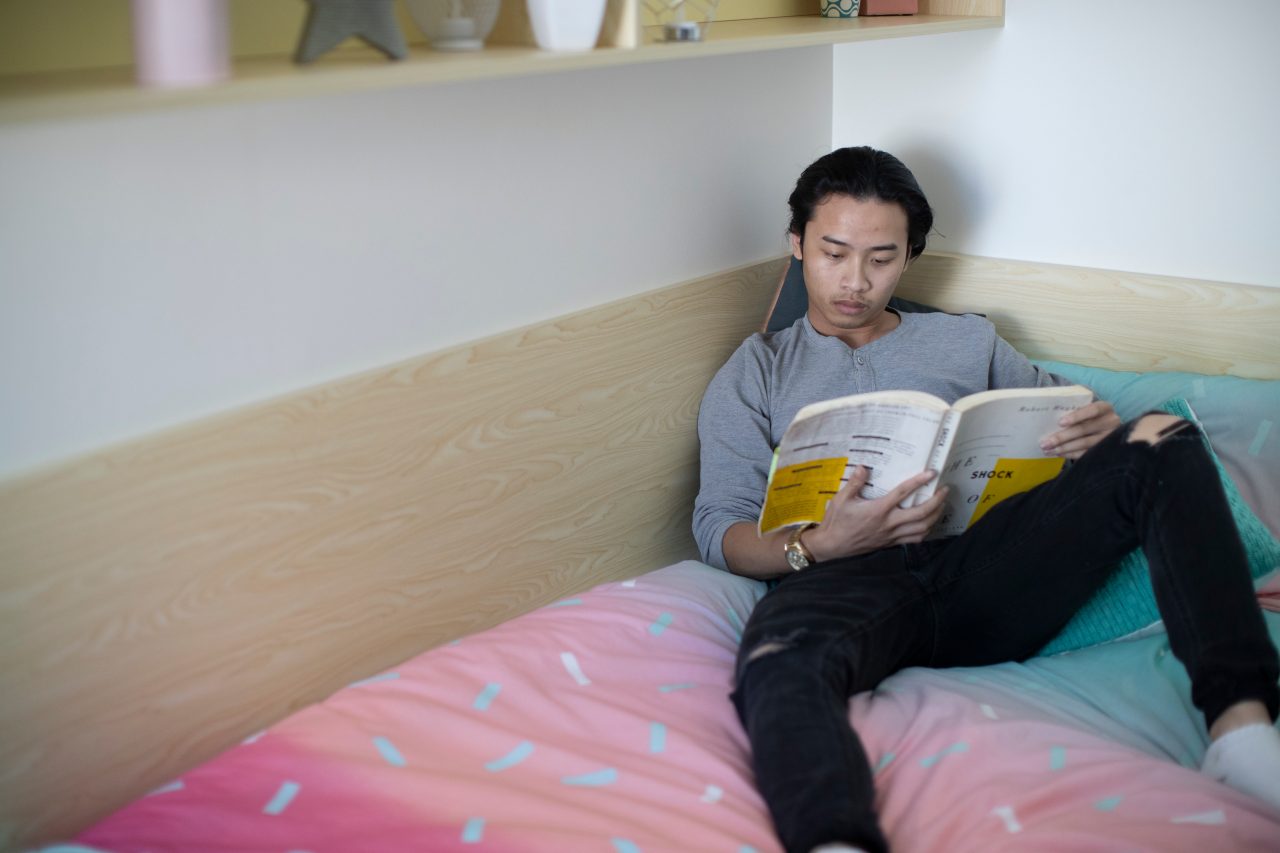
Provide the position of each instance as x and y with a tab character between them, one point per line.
912	525
1076	448
858	477
1088	412
1056	442
900	492
927	512
1082	429
852	486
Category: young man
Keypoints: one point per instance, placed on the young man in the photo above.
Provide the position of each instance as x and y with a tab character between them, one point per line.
862	595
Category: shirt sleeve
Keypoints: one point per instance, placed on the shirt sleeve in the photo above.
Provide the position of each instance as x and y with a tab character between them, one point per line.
735	449
1011	369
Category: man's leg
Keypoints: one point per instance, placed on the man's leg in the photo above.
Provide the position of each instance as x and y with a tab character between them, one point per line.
823	634
1233	678
1036	558
1011	582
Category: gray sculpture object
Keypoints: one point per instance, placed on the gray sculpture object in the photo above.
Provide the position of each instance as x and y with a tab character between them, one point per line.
331	22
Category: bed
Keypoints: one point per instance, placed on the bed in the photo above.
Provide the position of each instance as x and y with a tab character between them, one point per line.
588	709
601	722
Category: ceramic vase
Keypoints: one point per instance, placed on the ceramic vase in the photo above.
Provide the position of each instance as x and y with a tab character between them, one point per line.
566	24
180	42
839	8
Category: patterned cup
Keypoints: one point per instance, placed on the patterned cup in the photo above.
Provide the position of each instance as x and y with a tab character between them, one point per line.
840	8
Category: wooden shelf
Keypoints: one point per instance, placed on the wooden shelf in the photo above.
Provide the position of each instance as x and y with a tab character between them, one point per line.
77	94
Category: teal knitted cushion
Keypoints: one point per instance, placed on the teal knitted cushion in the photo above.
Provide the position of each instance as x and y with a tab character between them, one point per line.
1127	603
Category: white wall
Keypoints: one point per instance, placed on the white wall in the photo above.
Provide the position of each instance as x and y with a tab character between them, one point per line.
156	268
1141	135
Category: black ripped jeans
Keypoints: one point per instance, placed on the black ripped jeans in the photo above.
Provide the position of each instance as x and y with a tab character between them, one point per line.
996	593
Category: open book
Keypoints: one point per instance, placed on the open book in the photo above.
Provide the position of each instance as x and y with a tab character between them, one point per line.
986	447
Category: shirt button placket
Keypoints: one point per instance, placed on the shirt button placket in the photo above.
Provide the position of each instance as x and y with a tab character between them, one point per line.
859	372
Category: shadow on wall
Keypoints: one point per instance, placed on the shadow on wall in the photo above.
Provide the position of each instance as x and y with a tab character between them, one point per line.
953	187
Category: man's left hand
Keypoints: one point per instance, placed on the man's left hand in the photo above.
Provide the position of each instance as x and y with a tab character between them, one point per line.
1081	429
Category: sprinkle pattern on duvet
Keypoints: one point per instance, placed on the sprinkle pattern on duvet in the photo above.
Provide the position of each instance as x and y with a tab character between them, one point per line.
283	797
473	830
570	662
606	725
522	751
486	696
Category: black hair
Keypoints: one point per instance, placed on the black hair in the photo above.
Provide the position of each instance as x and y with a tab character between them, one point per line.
862	173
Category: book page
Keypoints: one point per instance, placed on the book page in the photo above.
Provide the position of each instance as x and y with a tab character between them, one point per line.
996	449
890	433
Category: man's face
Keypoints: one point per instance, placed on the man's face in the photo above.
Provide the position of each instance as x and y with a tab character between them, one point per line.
853	254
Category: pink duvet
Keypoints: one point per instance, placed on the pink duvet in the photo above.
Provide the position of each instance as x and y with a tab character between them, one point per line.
602	723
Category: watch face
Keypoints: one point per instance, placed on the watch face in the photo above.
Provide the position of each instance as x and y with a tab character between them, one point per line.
796	560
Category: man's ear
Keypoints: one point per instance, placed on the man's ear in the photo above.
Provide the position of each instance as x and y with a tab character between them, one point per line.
795	247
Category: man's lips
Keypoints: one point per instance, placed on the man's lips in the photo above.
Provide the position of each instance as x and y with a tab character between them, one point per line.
847	306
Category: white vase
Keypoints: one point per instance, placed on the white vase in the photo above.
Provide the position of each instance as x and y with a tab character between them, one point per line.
180	43
566	24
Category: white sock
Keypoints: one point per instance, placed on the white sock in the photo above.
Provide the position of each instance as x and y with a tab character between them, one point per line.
1247	759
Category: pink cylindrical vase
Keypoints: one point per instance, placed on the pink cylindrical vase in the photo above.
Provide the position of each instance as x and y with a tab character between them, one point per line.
180	42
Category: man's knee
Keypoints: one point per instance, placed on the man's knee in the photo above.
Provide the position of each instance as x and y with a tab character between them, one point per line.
766	649
1155	427
771	645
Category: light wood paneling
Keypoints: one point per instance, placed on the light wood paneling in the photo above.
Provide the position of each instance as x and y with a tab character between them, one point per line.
1104	318
162	599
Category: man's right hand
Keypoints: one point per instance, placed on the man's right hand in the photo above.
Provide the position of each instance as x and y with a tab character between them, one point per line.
854	525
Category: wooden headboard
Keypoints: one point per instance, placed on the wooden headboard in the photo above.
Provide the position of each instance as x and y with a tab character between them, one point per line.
162	599
1103	318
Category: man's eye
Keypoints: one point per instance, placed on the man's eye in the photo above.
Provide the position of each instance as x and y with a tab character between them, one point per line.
882	261
833	256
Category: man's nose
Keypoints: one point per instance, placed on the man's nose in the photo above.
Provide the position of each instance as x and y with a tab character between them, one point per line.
856	281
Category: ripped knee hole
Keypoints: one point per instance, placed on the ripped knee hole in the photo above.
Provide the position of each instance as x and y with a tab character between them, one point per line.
1154	428
769	648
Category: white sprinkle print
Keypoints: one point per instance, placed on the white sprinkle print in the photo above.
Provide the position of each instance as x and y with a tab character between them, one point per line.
168	789
571	664
712	794
630	583
1213	818
1005	813
989	712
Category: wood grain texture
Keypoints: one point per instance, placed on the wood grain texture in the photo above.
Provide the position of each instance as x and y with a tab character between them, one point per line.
1104	318
162	599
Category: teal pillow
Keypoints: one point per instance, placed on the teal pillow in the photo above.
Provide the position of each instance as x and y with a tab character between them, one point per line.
1126	602
1239	417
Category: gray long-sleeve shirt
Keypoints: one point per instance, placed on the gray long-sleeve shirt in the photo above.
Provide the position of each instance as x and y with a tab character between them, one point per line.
758	391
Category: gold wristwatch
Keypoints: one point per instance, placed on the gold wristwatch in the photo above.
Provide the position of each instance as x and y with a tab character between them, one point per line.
798	556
